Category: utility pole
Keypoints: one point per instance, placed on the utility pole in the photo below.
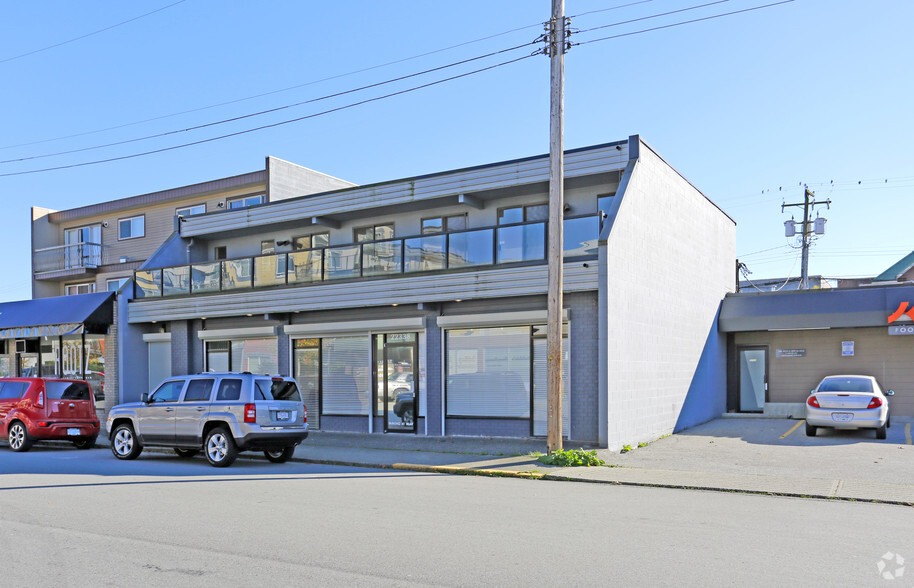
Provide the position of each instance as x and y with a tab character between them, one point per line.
556	50
808	204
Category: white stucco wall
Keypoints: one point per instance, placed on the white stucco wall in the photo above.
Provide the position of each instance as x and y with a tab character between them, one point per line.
669	261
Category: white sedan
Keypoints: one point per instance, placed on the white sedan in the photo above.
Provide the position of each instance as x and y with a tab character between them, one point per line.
848	402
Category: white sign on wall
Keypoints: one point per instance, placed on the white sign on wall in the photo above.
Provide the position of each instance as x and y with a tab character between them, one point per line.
847	348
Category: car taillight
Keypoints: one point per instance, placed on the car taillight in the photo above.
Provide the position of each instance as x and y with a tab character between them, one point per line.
250	413
304	413
42	423
876	402
40	403
813	401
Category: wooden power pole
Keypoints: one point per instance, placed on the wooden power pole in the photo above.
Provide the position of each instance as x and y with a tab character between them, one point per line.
556	48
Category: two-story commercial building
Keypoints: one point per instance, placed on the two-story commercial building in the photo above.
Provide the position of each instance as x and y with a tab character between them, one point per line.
82	256
418	305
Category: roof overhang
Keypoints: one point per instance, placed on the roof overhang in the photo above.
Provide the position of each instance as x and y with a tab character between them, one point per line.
52	317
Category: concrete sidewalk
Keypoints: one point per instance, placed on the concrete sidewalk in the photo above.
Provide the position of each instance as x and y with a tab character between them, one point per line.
719	456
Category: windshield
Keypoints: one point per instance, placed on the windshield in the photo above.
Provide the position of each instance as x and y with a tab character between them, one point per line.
846	385
277	390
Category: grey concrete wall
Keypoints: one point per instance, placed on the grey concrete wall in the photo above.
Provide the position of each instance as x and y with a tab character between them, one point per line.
288	180
44	234
669	262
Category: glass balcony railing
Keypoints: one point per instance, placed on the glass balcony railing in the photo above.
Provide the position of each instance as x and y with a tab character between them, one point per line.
490	246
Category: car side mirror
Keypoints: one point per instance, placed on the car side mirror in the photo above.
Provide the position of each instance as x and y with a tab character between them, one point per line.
145	397
890	393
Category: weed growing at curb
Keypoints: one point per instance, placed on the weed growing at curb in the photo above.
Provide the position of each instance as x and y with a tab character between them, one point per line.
570	458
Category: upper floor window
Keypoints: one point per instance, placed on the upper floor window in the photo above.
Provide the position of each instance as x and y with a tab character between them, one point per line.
604	201
191	210
245	201
267	247
131	228
373	233
311	241
220	252
520	214
115	284
443	224
74	289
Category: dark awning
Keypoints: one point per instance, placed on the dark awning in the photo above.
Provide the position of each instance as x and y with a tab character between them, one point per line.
63	315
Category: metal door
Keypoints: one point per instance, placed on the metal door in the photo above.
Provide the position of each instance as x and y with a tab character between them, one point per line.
753	378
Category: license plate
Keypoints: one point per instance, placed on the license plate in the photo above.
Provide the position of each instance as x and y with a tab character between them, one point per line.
73	432
842	417
282	415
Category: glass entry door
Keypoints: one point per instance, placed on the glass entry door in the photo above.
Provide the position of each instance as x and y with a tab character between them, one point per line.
395	363
28	365
753	378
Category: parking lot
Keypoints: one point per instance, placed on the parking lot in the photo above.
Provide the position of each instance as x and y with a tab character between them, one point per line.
779	447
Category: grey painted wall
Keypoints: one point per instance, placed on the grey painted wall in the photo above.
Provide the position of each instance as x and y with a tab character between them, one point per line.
669	262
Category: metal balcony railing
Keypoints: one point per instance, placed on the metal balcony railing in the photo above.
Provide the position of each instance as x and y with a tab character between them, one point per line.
489	246
74	256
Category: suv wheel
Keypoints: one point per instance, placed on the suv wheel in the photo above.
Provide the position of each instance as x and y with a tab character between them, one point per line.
124	444
220	448
280	455
19	437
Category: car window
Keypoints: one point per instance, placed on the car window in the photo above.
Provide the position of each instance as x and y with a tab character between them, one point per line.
846	385
198	390
11	390
277	390
168	392
229	389
67	390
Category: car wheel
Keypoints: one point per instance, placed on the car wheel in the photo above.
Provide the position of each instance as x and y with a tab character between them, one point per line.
880	432
85	442
220	448
124	444
19	437
810	430
280	455
186	453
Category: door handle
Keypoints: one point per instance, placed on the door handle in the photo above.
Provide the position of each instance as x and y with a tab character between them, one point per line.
72	405
169	410
201	408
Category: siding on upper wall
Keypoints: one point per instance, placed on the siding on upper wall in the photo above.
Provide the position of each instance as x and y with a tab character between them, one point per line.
670	256
889	358
578	163
159	224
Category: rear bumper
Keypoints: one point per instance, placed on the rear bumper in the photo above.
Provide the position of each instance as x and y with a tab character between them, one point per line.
272	439
868	418
62	430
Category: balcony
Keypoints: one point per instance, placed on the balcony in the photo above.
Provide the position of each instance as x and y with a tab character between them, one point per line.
488	247
69	261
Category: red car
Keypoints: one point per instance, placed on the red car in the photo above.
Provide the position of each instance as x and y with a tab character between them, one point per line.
34	409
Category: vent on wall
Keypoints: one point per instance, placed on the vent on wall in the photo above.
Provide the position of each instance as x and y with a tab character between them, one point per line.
20	346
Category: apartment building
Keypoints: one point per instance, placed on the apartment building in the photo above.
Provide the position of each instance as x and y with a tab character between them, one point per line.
417	306
82	256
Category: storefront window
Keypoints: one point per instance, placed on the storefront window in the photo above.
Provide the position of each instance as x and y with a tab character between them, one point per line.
345	375
5	367
488	372
95	365
50	355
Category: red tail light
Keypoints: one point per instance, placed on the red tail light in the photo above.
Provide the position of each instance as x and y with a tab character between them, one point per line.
813	401
876	402
40	403
304	413
42	423
250	413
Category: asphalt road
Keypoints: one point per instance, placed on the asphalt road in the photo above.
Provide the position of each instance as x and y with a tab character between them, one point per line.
82	518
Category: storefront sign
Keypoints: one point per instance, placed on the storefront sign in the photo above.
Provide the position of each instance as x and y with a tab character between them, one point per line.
901	329
790	353
901	311
847	348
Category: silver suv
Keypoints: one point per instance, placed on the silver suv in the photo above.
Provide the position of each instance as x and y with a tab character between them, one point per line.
221	413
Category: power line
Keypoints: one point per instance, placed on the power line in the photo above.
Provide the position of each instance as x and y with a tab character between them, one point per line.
280	123
268	111
347	106
608	9
616	24
108	28
676	24
295	87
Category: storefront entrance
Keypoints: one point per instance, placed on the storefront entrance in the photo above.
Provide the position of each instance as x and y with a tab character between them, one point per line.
395	377
27	365
753	378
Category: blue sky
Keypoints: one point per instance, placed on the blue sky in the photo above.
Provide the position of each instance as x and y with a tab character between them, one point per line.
748	107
